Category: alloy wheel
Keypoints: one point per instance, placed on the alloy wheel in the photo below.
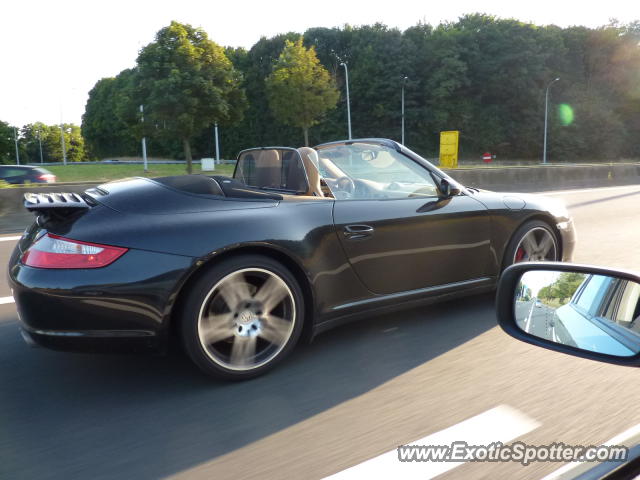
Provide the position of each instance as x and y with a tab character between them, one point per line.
246	319
537	245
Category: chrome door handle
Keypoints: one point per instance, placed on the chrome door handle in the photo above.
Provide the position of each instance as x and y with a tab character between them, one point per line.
357	231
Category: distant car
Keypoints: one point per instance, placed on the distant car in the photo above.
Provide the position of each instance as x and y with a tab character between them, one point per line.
19	174
538	304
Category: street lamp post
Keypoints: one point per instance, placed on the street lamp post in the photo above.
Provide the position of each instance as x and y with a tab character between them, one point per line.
40	142
346	76
546	115
217	144
15	139
144	140
404	81
64	147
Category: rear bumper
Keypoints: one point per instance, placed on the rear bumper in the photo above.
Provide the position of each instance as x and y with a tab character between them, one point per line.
125	306
92	341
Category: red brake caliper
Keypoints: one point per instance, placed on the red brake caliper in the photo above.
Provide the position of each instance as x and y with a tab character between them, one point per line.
519	254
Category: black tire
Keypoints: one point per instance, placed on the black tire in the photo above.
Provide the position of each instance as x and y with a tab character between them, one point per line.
208	296
521	233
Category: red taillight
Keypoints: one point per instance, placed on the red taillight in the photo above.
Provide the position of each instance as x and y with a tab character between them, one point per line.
48	177
52	251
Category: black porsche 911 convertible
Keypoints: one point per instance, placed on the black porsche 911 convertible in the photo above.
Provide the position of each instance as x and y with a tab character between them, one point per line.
241	269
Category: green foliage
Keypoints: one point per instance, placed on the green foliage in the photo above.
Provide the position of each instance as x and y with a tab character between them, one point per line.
481	75
300	89
7	145
31	136
186	83
104	172
563	288
103	125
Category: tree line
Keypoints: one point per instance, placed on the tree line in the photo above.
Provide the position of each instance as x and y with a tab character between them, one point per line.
563	288
481	75
38	142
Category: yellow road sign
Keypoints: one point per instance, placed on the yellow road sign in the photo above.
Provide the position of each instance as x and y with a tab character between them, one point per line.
449	149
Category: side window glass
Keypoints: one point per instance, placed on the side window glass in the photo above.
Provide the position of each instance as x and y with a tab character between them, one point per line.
13	172
593	293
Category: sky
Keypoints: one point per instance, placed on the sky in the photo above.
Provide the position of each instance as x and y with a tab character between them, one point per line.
53	52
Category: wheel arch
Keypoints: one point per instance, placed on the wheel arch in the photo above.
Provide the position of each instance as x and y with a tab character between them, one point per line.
541	216
270	251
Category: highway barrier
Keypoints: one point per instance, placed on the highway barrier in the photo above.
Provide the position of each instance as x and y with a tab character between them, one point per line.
541	178
14	218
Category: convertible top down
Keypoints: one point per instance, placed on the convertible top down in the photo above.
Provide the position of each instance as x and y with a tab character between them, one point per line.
239	269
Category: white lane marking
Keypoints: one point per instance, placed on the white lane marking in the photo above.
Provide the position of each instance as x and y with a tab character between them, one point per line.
500	424
617	440
628	433
4	300
11	238
527	323
586	190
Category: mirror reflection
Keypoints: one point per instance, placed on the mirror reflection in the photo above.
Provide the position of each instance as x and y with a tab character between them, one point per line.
597	313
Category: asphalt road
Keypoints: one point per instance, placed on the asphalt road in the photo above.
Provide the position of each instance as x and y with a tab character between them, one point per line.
535	320
355	393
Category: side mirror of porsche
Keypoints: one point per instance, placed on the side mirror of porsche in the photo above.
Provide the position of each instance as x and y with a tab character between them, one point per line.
585	311
447	190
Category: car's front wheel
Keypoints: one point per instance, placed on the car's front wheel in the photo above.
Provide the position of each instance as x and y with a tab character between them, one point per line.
534	241
242	317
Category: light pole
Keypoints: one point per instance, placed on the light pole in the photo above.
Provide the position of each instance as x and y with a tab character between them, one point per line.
15	139
217	144
404	81
64	147
144	140
346	77
40	142
546	114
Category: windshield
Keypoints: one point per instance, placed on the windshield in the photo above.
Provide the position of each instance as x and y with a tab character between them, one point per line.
366	170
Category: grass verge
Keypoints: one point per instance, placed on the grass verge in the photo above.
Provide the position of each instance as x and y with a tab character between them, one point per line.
107	172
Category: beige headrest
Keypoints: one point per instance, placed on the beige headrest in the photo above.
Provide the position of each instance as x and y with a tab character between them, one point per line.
311	165
308	154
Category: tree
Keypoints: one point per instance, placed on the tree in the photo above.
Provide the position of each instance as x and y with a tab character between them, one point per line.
300	89
103	126
563	288
482	75
186	83
7	146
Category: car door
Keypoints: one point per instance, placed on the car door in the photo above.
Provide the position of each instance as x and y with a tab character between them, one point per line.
400	235
408	244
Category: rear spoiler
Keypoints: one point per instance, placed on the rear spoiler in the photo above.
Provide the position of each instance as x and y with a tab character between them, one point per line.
62	203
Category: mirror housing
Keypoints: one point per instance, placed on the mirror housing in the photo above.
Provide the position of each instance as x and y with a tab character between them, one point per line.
447	189
510	290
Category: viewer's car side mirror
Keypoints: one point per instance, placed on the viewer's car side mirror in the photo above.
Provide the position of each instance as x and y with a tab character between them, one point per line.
585	311
448	190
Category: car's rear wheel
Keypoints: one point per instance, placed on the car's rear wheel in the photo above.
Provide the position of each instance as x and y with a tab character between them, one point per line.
535	241
242	317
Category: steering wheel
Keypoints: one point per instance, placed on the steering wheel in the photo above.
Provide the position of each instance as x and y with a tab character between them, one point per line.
346	185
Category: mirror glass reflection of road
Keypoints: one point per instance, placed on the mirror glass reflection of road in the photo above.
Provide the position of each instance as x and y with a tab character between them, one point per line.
536	318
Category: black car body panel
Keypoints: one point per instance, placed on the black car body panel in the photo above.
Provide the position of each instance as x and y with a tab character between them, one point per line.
422	250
